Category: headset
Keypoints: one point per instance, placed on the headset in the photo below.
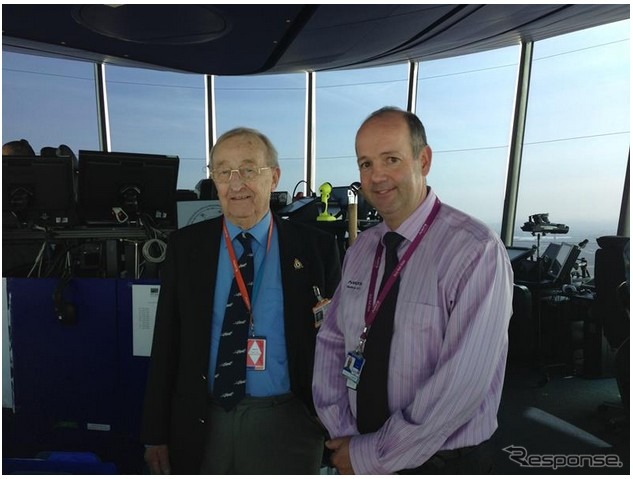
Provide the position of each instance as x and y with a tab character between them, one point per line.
64	310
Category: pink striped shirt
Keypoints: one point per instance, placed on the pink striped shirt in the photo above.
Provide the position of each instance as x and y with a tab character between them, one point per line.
449	346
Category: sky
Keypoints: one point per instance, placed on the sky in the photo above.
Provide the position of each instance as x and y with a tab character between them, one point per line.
576	141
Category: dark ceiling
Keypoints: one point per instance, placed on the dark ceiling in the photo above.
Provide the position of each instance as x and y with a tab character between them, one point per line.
248	39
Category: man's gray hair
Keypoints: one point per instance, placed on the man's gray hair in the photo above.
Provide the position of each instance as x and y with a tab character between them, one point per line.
270	154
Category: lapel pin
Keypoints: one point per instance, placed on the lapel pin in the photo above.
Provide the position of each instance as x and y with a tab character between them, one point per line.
298	264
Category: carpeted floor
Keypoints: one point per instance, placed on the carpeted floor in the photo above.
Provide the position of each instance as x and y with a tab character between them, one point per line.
561	426
553	427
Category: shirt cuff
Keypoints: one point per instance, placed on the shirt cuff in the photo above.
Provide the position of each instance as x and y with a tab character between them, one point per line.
363	455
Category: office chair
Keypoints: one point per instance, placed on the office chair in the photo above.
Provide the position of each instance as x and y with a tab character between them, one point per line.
522	334
623	354
612	311
61	151
609	274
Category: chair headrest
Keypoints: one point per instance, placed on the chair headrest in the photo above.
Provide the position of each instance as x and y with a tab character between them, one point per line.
610	242
62	151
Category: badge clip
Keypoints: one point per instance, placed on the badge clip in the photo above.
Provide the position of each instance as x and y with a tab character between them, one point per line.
320	308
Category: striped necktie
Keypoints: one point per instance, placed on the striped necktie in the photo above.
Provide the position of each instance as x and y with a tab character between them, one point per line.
230	372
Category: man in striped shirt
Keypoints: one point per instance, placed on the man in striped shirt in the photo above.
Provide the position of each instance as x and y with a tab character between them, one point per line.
446	351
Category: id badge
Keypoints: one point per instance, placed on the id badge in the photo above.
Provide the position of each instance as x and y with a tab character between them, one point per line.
256	353
319	311
354	362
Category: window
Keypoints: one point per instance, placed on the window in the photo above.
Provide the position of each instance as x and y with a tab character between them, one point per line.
343	100
274	105
49	102
159	112
577	134
466	105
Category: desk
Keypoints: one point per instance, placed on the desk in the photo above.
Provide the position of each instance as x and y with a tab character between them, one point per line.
598	356
115	232
578	339
565	334
562	330
97	252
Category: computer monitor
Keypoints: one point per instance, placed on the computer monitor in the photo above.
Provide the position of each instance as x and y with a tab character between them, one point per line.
563	262
558	261
518	254
549	255
127	188
340	201
302	209
38	191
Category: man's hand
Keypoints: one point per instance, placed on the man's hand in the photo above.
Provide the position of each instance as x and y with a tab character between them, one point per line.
157	459
340	454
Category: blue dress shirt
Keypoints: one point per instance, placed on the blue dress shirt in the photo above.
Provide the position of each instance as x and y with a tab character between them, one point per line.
268	310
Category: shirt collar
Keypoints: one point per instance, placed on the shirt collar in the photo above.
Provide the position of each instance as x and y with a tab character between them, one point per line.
411	226
259	231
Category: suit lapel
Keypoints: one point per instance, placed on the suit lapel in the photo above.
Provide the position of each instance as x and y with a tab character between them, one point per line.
203	265
287	257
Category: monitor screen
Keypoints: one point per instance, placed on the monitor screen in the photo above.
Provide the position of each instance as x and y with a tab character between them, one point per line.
517	254
560	260
297	205
339	199
549	255
38	191
127	188
305	209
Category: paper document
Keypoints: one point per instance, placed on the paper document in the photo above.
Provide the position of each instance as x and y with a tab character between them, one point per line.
144	302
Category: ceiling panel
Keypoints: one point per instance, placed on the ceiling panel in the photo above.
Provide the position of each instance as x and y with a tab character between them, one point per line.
249	39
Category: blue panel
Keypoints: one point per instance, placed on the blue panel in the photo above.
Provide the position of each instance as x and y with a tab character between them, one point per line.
65	373
72	381
59	463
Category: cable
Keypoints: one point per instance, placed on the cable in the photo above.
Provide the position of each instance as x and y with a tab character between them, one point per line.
162	246
309	193
38	259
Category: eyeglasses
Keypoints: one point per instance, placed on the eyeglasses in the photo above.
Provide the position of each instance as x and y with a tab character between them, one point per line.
246	173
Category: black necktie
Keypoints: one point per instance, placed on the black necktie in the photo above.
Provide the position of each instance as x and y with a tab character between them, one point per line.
230	372
372	399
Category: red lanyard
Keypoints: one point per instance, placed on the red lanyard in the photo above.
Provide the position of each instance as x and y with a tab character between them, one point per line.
371	308
236	267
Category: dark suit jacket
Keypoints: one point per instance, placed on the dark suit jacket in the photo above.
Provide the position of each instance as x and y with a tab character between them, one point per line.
176	394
